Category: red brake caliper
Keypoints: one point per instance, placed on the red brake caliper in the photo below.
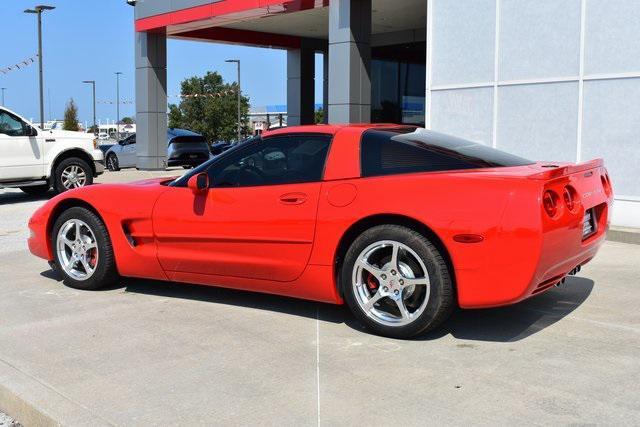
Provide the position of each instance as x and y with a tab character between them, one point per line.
372	282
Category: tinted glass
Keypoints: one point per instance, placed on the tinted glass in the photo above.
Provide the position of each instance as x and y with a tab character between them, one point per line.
12	126
405	150
273	161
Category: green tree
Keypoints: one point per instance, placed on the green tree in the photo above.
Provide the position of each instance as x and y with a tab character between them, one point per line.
213	113
319	116
127	120
71	116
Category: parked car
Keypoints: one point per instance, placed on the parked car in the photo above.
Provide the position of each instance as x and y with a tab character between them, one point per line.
34	160
105	147
398	222
220	147
103	136
184	148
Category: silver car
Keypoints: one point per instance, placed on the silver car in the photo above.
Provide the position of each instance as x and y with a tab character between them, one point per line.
184	148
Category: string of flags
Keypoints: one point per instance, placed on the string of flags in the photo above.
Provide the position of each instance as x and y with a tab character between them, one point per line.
19	65
195	95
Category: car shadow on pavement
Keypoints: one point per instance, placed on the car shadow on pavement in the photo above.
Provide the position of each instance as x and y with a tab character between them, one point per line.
519	321
10	198
502	324
254	300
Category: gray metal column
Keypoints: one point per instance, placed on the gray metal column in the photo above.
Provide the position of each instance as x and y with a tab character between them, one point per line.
325	85
349	61
151	100
300	85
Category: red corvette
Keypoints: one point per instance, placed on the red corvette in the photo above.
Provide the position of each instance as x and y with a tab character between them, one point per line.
399	222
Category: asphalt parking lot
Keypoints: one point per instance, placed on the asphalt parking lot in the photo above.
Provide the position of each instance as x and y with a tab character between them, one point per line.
148	353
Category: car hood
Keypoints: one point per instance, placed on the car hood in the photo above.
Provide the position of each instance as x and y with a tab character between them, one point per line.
152	181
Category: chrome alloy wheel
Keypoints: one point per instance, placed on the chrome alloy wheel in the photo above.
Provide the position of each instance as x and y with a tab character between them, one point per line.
73	176
391	283
77	249
112	162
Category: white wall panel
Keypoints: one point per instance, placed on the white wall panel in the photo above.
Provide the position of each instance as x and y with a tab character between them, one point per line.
463	41
467	113
539	121
611	130
539	39
612	36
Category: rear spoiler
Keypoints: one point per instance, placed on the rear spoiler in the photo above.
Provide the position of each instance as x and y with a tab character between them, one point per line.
565	170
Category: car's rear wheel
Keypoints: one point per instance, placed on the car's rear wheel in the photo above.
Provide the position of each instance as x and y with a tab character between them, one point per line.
72	173
82	249
36	190
397	282
112	163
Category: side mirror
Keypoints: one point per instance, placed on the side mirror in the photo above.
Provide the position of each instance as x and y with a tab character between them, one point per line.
31	131
199	183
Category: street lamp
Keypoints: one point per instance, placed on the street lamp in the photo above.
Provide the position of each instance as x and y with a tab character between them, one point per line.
118	104
93	83
38	10
237	61
3	89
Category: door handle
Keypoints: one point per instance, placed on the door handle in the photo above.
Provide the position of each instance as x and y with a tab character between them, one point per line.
293	198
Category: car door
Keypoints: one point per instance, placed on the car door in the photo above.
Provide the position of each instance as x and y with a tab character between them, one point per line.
21	156
258	218
128	156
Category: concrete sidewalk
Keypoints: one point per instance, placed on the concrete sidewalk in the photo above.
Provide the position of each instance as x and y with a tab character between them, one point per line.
149	353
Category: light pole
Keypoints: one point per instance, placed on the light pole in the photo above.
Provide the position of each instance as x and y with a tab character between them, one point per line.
118	105
38	10
237	61
93	83
3	89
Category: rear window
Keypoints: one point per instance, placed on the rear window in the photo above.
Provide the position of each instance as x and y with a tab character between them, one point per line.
406	150
189	139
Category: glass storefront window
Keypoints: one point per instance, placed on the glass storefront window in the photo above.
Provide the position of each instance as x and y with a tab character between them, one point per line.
398	84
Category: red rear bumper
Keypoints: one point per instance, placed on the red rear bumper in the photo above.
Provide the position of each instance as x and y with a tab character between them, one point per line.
532	251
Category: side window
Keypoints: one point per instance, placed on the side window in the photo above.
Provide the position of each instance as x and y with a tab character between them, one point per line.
129	140
387	153
273	161
12	126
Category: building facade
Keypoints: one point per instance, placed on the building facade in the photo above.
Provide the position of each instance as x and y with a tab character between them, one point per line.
548	80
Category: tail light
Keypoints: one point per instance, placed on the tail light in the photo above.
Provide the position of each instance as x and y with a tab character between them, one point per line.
569	195
550	202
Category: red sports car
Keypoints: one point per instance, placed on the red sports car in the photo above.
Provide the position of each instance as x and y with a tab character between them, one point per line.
399	222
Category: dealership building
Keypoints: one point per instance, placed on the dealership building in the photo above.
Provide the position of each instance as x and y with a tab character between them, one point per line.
546	79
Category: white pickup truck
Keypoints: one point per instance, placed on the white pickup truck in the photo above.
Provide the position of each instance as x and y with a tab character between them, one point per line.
35	160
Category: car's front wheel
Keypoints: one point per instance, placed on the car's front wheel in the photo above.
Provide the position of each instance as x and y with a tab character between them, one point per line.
396	282
82	249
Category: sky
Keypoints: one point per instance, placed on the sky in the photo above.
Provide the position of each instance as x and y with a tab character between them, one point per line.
92	39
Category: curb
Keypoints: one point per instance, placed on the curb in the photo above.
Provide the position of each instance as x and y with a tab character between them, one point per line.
624	235
44	407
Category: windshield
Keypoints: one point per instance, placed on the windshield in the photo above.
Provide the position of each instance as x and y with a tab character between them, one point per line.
182	181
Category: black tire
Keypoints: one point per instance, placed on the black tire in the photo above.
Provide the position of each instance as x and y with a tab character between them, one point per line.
58	182
36	190
105	273
112	163
440	302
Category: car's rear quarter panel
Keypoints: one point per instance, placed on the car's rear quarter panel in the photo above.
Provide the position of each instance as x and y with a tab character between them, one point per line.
448	204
